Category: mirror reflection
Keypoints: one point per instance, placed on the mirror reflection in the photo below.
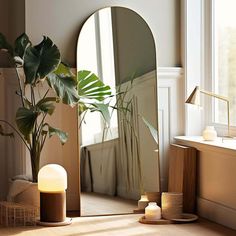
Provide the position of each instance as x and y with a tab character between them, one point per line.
119	163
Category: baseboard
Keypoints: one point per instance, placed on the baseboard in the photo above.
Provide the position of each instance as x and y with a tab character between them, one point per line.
216	212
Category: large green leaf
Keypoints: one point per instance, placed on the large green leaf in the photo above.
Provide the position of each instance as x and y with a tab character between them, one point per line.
91	87
103	109
46	105
4	45
25	120
40	60
64	84
21	43
63	136
152	130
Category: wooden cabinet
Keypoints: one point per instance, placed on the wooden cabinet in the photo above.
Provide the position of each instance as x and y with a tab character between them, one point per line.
182	174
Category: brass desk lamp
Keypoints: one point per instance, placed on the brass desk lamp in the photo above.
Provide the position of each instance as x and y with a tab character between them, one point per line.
194	99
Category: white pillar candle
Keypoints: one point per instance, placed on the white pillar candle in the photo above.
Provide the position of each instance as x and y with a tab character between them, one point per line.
152	211
143	202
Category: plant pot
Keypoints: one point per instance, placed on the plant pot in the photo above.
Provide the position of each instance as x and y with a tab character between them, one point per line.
24	192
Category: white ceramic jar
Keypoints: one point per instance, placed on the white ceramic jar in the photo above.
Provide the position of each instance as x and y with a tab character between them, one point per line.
152	211
209	134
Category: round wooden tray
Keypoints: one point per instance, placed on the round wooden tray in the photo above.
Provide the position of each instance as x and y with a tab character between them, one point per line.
186	218
143	220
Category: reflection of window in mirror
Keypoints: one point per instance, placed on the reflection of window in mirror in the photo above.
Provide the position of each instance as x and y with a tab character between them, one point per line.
98	53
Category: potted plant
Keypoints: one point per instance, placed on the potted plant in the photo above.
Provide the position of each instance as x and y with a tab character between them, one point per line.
42	67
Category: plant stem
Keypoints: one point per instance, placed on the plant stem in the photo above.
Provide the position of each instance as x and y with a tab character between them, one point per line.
45	94
34	155
6	122
21	91
41	125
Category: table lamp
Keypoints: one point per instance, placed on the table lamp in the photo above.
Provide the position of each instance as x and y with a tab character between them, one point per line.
52	184
194	99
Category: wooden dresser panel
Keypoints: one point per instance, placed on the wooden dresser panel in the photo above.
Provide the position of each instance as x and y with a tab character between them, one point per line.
182	174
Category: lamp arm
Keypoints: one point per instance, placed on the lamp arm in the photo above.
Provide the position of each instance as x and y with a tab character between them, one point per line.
221	98
214	95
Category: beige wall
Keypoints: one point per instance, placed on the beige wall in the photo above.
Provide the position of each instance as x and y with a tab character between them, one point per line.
12	18
12	23
2	143
16	18
4	23
62	20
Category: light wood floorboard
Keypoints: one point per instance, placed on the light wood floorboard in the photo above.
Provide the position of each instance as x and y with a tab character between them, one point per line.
121	226
101	204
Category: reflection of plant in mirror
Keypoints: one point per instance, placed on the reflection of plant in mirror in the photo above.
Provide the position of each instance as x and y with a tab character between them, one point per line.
43	72
153	131
92	95
126	104
129	137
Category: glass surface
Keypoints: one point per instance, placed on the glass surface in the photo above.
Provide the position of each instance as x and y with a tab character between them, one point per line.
224	55
117	45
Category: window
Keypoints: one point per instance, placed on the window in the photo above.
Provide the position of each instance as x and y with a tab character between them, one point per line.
97	54
223	41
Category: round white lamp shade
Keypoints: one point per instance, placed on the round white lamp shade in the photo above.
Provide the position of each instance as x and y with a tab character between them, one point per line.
52	178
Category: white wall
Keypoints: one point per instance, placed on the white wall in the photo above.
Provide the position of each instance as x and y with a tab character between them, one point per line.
61	20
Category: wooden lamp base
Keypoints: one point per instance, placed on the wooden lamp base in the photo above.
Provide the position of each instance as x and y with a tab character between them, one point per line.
53	209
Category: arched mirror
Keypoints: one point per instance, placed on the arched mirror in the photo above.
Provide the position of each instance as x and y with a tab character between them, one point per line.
119	162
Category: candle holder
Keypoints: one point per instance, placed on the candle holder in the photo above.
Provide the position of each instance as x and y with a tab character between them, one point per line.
172	205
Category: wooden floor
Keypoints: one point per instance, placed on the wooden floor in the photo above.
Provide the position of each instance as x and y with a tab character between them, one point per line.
100	204
121	226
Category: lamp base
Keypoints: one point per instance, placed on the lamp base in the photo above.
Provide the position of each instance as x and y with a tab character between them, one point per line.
52	207
226	137
67	221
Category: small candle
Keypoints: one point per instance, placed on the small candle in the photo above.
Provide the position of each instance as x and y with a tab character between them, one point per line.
143	202
209	134
152	211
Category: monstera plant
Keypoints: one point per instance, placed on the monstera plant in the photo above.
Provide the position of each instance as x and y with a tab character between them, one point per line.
43	72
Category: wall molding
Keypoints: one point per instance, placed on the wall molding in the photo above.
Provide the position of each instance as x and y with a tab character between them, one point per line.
216	212
170	72
171	113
